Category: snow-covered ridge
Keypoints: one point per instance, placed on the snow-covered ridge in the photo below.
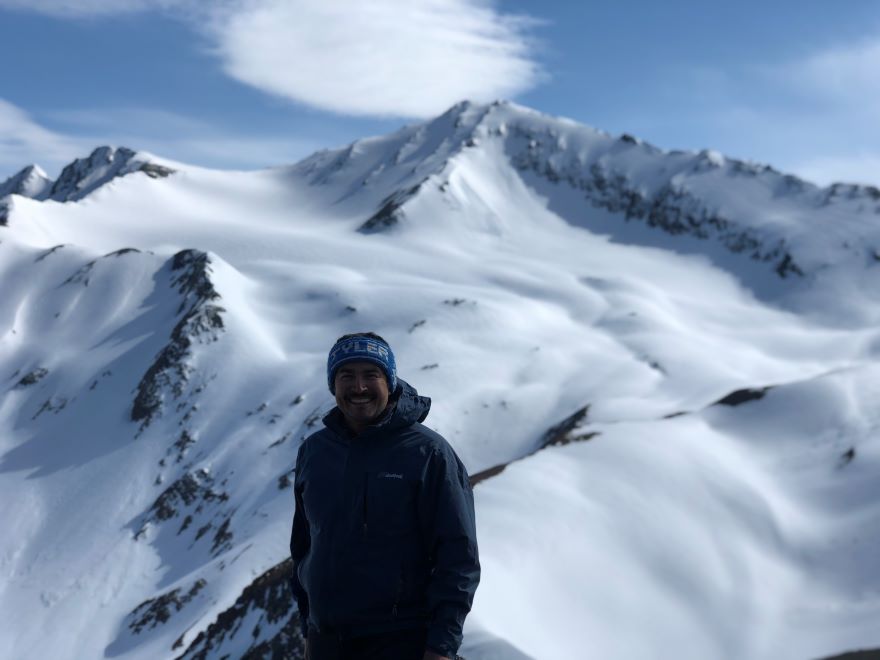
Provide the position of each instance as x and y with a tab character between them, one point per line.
748	209
83	175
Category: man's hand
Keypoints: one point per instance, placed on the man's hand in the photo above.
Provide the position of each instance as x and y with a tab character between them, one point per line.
430	655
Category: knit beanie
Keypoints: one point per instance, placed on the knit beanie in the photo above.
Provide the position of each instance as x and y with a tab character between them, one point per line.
362	349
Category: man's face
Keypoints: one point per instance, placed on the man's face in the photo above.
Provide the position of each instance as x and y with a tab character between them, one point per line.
361	393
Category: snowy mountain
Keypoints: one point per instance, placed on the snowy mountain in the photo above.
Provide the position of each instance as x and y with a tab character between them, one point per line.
660	369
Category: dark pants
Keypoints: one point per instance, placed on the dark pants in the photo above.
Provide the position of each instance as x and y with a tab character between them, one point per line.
397	645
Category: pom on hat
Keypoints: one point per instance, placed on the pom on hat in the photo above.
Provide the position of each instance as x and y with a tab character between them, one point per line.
360	348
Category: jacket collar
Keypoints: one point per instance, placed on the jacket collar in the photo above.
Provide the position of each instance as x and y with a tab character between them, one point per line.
406	407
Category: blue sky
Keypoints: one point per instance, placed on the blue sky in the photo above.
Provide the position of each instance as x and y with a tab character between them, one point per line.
253	83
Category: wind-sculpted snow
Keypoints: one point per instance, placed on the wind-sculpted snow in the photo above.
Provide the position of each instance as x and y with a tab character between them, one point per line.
658	367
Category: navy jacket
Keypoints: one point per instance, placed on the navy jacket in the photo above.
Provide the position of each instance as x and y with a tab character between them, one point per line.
384	536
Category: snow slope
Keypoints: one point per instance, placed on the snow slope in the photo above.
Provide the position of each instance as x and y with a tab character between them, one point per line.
659	367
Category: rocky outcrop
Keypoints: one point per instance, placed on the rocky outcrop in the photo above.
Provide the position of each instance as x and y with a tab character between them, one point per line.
159	610
32	377
199	502
567	430
80	177
390	211
670	208
104	164
740	397
273	623
201	322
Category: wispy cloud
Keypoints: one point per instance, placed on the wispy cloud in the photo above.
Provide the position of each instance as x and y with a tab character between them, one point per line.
81	8
21	137
846	75
382	57
398	58
23	140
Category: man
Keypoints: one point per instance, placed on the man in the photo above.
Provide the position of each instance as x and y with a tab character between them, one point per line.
384	541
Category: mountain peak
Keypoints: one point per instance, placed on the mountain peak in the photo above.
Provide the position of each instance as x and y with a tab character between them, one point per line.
31	181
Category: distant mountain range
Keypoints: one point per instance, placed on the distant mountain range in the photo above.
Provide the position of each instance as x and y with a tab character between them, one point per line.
660	369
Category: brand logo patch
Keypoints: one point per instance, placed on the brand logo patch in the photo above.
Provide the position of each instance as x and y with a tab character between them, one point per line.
390	475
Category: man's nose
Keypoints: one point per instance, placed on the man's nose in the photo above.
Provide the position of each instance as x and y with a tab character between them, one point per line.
360	383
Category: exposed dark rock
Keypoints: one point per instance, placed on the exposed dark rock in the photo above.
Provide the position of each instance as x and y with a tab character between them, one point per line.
182	445
742	396
82	274
32	377
155	171
563	433
284	481
222	537
487	474
281	440
48	252
268	600
867	654
192	490
104	164
51	405
156	611
201	322
428	367
847	457
390	211
417	324
671	208
119	253
313	418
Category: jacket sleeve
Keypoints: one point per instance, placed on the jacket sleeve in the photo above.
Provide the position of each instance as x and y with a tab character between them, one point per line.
449	528
300	541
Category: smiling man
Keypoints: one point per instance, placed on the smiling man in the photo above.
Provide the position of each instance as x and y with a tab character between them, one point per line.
384	541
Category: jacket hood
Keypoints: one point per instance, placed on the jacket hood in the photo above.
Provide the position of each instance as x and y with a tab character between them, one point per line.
409	408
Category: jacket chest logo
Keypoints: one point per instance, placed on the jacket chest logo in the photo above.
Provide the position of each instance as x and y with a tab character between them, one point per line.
389	475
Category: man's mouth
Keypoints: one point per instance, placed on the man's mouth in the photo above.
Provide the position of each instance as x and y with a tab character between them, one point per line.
359	400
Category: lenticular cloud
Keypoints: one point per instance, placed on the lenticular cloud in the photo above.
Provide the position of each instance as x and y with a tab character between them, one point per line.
385	57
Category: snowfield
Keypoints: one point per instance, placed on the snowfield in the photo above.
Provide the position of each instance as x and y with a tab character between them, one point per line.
660	368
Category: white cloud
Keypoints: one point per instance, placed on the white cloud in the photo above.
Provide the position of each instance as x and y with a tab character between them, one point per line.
847	74
79	8
22	138
382	57
861	168
24	141
396	58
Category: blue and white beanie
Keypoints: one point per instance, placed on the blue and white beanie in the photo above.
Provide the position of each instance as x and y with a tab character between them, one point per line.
362	349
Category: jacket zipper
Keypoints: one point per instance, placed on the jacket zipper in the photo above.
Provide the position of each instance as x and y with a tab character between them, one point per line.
398	593
366	486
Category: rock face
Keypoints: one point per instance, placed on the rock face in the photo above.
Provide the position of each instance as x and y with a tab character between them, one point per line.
201	321
104	164
81	177
273	630
159	610
671	207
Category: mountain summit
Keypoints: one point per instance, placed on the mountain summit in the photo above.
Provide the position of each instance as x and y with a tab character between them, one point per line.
659	368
